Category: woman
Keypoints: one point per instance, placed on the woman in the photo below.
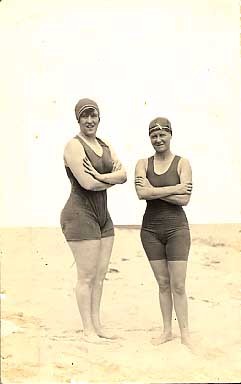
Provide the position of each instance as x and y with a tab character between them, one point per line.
92	168
165	182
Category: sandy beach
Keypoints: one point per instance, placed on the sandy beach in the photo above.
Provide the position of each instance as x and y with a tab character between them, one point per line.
41	327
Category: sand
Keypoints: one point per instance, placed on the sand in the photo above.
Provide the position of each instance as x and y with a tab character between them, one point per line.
41	327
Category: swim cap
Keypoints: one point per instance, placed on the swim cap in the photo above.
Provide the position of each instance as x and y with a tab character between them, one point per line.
85	104
160	123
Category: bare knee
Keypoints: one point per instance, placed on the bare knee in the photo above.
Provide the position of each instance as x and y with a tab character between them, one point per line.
164	284
85	281
178	289
99	279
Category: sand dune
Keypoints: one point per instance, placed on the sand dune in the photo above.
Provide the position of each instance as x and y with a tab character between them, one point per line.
41	328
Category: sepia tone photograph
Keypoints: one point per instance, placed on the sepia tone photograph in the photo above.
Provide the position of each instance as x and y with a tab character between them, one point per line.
120	225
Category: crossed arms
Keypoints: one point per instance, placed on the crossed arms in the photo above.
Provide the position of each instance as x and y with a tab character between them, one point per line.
178	194
86	174
90	179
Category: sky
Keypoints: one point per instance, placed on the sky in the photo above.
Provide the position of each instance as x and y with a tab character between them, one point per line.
138	60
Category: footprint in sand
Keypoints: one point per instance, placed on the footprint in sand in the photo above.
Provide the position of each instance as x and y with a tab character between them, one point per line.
203	349
212	353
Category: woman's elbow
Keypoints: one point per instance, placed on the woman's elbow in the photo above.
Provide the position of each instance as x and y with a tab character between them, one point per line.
124	178
88	186
141	195
142	198
185	201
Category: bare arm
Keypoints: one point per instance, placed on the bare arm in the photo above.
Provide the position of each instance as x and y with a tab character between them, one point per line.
74	155
117	176
145	191
185	174
177	199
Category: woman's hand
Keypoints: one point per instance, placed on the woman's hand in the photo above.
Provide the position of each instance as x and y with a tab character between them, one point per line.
184	189
88	168
181	189
142	182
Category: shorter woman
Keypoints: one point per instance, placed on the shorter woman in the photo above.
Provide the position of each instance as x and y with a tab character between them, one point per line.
165	182
92	167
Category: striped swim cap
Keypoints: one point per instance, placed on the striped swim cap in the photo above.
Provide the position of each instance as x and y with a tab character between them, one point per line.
84	104
160	123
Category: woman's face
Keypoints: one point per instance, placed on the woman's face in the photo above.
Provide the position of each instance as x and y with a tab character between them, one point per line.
160	140
89	121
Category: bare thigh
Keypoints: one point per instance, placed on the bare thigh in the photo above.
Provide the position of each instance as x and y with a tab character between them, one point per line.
160	270
177	270
106	245
86	254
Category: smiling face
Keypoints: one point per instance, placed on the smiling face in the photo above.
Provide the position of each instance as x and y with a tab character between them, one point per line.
160	140
89	121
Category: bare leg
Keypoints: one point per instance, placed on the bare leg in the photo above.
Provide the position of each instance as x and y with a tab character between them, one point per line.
86	254
161	272
102	268
177	271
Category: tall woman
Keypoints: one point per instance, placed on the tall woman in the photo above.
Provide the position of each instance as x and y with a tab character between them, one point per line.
165	182
92	167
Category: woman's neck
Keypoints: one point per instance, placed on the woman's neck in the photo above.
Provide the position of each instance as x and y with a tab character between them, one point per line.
89	139
164	156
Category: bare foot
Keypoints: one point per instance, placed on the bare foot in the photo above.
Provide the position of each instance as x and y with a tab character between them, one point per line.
92	338
105	334
164	338
187	341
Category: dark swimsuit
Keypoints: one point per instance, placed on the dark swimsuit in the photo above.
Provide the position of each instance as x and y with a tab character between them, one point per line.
165	231
85	215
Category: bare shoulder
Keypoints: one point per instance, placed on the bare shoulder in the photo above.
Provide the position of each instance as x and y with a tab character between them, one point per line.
73	147
141	162
183	162
184	169
141	166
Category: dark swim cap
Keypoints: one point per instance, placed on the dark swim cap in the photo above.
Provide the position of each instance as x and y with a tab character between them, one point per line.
160	123
85	104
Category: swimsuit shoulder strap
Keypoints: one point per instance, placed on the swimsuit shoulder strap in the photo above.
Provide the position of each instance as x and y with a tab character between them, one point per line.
101	142
150	165
174	163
